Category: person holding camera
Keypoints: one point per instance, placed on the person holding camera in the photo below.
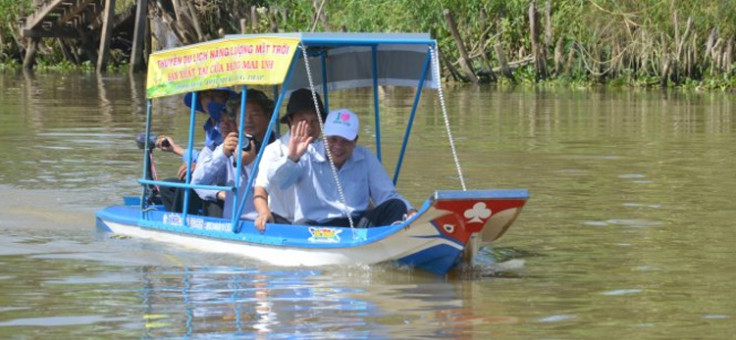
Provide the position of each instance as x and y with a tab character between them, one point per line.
219	166
212	103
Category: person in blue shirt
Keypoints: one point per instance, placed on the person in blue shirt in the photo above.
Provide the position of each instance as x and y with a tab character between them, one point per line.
370	196
219	166
212	103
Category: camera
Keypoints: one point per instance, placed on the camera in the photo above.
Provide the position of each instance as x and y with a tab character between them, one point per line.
246	145
140	140
246	142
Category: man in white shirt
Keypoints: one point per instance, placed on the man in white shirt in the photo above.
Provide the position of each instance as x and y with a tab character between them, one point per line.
364	181
273	203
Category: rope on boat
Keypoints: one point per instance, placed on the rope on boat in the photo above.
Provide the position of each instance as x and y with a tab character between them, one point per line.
436	69
327	148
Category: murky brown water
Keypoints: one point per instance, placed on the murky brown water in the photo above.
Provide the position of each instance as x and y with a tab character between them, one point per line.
629	231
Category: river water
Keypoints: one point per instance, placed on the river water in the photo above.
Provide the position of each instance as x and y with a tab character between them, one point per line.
629	231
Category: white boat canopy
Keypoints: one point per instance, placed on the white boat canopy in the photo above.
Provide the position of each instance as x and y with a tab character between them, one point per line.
399	57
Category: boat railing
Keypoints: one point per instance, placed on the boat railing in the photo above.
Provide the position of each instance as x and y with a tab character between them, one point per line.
185	185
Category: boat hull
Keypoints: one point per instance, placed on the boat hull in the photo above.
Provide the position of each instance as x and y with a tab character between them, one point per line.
434	240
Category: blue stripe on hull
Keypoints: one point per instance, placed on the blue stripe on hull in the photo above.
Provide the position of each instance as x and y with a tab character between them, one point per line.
218	228
482	194
438	259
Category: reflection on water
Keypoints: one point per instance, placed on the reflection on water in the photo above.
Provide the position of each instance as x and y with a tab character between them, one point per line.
628	230
80	283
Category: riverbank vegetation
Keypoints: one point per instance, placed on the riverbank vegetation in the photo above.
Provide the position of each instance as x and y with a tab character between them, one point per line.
618	42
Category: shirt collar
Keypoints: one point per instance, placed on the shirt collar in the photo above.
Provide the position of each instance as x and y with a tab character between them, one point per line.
318	150
213	138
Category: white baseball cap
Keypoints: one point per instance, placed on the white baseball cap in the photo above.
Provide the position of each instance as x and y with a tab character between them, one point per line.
342	123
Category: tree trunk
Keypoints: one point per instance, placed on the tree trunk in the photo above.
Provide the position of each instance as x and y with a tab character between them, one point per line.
558	56
505	70
728	56
537	50
136	53
253	19
105	35
30	58
465	63
548	24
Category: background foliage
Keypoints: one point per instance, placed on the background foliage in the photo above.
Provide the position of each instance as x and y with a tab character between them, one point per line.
631	41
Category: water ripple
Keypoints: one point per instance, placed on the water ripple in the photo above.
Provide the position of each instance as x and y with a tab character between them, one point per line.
55	321
715	316
558	318
622	292
635	222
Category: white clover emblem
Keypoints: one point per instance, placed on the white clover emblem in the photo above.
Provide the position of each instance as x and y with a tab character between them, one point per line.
477	213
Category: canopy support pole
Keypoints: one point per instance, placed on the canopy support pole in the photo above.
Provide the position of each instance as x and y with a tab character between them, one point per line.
325	93
190	147
411	117
376	109
238	159
146	151
276	92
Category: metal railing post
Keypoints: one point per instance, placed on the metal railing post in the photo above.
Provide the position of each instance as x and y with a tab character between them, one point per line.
409	124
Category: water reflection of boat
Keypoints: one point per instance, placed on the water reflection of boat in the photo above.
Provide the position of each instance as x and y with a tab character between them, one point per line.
450	223
229	301
251	302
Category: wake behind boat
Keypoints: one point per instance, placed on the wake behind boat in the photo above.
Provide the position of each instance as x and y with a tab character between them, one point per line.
447	229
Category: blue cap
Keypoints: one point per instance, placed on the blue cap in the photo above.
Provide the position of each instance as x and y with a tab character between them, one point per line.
188	97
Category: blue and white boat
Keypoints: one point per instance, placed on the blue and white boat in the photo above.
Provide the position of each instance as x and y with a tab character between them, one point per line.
448	228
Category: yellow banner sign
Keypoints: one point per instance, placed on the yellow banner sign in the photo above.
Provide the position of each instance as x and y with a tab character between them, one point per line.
220	63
